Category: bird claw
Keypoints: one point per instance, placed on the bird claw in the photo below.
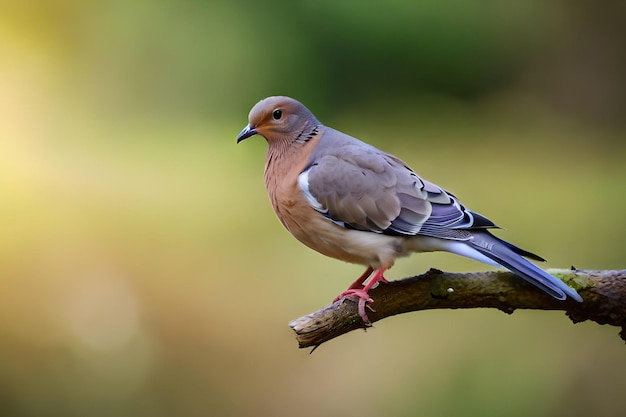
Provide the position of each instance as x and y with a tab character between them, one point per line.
361	307
363	299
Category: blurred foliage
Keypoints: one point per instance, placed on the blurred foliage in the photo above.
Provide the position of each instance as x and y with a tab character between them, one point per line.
143	271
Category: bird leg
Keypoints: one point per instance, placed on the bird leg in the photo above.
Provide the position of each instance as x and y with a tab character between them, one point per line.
361	292
358	284
378	277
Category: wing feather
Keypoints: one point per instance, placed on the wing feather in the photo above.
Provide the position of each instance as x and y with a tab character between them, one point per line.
360	187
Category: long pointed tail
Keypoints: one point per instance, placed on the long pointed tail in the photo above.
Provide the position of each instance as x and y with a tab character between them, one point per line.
510	257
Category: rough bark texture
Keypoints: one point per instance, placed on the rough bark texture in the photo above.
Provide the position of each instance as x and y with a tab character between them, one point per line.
604	294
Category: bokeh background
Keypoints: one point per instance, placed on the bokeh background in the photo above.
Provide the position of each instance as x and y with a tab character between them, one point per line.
143	272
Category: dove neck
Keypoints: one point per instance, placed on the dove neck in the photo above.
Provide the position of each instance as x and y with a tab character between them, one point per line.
285	151
286	144
286	158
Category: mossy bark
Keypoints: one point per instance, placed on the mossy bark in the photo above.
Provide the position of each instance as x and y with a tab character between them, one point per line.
604	294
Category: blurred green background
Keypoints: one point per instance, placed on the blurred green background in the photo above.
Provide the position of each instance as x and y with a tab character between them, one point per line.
143	272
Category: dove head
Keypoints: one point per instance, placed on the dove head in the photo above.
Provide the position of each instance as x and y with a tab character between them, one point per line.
278	119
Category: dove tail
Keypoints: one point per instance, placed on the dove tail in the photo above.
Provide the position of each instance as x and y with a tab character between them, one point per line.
511	257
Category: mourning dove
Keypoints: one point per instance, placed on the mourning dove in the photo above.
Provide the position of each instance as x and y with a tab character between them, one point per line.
351	201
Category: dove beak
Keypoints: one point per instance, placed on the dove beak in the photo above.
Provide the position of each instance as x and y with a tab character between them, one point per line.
246	133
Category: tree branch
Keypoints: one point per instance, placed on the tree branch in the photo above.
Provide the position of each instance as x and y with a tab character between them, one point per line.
604	294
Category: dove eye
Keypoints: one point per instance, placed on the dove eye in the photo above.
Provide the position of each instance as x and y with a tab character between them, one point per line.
277	114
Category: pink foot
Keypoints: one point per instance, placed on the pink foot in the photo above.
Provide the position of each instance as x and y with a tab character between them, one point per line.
361	292
362	299
382	279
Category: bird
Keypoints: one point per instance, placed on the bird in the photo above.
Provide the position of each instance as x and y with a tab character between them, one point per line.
351	201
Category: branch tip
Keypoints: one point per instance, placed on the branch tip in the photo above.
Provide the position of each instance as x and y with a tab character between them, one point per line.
604	294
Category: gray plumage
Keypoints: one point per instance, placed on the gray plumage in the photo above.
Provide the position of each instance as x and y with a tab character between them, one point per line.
361	187
349	200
